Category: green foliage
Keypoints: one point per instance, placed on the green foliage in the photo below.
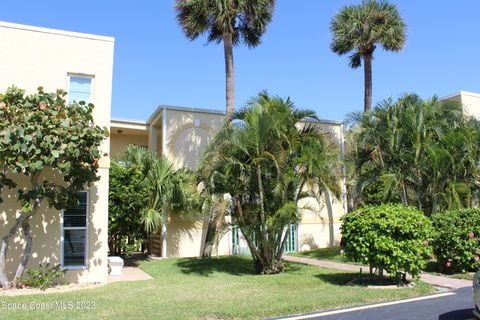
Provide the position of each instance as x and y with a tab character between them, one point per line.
389	237
418	152
40	131
244	20
359	28
42	278
266	164
456	243
128	194
142	187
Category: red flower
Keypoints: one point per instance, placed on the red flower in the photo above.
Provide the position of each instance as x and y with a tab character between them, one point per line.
477	258
449	264
471	235
43	106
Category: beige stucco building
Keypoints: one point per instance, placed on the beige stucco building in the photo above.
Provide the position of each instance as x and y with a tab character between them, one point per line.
469	100
82	65
182	134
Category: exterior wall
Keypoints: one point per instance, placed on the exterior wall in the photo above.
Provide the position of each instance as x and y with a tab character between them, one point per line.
186	236
469	100
186	142
118	142
471	103
28	61
320	223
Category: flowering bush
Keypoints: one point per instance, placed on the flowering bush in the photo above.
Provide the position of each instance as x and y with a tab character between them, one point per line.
391	237
456	242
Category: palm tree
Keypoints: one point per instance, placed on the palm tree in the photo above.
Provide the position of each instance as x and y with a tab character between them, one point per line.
358	29
265	163
227	21
173	190
420	152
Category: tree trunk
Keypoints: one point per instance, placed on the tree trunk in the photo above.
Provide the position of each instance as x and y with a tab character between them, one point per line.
279	254
229	75
26	252
4	283
367	65
23	221
210	236
403	195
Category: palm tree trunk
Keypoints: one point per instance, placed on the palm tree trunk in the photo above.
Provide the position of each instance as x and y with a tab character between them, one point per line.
367	66
229	74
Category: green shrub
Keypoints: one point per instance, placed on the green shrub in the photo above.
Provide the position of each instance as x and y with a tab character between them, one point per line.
43	277
389	237
456	242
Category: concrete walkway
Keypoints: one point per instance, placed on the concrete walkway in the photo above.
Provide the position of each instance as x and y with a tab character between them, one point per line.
425	277
130	274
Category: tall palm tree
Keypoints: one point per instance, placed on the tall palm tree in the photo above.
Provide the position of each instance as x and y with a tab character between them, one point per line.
358	29
227	21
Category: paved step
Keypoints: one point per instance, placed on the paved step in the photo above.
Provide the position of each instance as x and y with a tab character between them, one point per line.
428	278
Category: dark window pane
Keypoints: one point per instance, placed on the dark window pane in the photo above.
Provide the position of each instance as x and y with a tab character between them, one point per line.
74	247
76	217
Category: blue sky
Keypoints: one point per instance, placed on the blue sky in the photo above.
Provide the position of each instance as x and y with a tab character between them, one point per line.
155	64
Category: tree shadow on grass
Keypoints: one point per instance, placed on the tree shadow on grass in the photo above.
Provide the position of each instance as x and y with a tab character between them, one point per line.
233	265
205	267
340	279
464	314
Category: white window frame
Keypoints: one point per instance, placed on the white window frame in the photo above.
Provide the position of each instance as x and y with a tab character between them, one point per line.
62	237
82	75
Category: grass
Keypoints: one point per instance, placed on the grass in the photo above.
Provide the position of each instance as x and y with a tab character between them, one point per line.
220	288
333	254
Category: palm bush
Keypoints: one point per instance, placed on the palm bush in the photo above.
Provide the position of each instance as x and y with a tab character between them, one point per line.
144	189
418	152
265	160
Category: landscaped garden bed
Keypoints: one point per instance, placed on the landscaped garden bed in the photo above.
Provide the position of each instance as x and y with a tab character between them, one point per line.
335	254
220	288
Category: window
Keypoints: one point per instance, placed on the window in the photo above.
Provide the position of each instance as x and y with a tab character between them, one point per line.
196	122
74	234
80	89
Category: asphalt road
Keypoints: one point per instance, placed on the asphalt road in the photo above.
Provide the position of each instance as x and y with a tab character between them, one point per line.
452	307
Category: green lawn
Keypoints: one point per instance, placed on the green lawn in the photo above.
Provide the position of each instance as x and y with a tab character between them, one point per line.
331	254
216	289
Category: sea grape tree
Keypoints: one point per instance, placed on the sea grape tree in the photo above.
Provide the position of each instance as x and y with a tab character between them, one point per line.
56	146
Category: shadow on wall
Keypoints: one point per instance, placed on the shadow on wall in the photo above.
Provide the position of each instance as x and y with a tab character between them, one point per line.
184	235
319	228
46	233
189	145
189	134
